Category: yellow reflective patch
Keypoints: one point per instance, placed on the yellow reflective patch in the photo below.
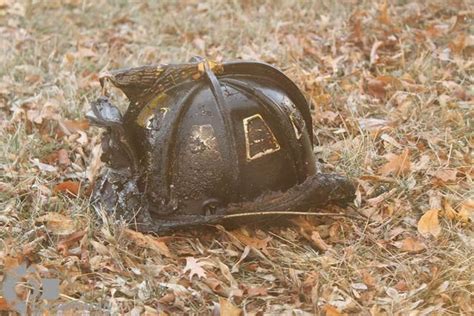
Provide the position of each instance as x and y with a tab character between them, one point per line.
149	109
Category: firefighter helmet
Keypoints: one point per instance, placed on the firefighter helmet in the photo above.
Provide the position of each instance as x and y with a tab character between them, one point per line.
202	140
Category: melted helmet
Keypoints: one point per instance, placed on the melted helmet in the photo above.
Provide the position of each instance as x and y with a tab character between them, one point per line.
202	141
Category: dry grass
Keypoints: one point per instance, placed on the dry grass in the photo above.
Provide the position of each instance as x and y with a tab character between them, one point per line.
406	67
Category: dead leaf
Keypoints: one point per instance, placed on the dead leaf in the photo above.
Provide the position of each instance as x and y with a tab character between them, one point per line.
95	163
389	139
65	243
60	157
376	88
6	188
257	291
401	286
228	309
330	310
43	166
259	244
397	164
384	18
148	241
4	305
328	115
63	158
100	248
194	267
167	299
373	52
371	124
368	279
429	223
69	186
410	245
466	211
57	223
318	242
73	126
449	212
446	175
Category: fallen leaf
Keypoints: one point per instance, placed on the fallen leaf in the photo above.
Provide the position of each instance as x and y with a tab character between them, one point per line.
63	157
466	210
410	245
371	124
57	223
227	308
318	242
373	52
95	163
449	212
368	279
401	286
227	274
446	175
73	126
167	299
147	241
4	305
259	244
100	248
383	17
7	188
429	223
376	88
69	186
397	164
43	166
60	157
328	115
389	139
257	291
194	267
330	310
66	242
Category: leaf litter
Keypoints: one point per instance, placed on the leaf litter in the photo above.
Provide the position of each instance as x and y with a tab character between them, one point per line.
391	86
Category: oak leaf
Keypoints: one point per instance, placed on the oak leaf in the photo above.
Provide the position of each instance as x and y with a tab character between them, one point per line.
259	244
397	164
194	267
429	223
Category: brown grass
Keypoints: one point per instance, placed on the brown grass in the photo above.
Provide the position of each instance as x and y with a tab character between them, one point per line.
404	66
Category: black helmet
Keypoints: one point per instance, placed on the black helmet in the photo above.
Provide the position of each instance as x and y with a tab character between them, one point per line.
203	141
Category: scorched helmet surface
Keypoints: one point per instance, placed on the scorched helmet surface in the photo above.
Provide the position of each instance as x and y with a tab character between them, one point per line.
201	141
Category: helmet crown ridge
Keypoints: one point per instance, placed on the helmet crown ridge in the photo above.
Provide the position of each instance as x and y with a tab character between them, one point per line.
138	83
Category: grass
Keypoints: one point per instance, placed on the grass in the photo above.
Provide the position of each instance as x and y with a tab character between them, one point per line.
413	91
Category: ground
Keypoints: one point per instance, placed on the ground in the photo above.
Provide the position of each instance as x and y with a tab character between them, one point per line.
392	88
